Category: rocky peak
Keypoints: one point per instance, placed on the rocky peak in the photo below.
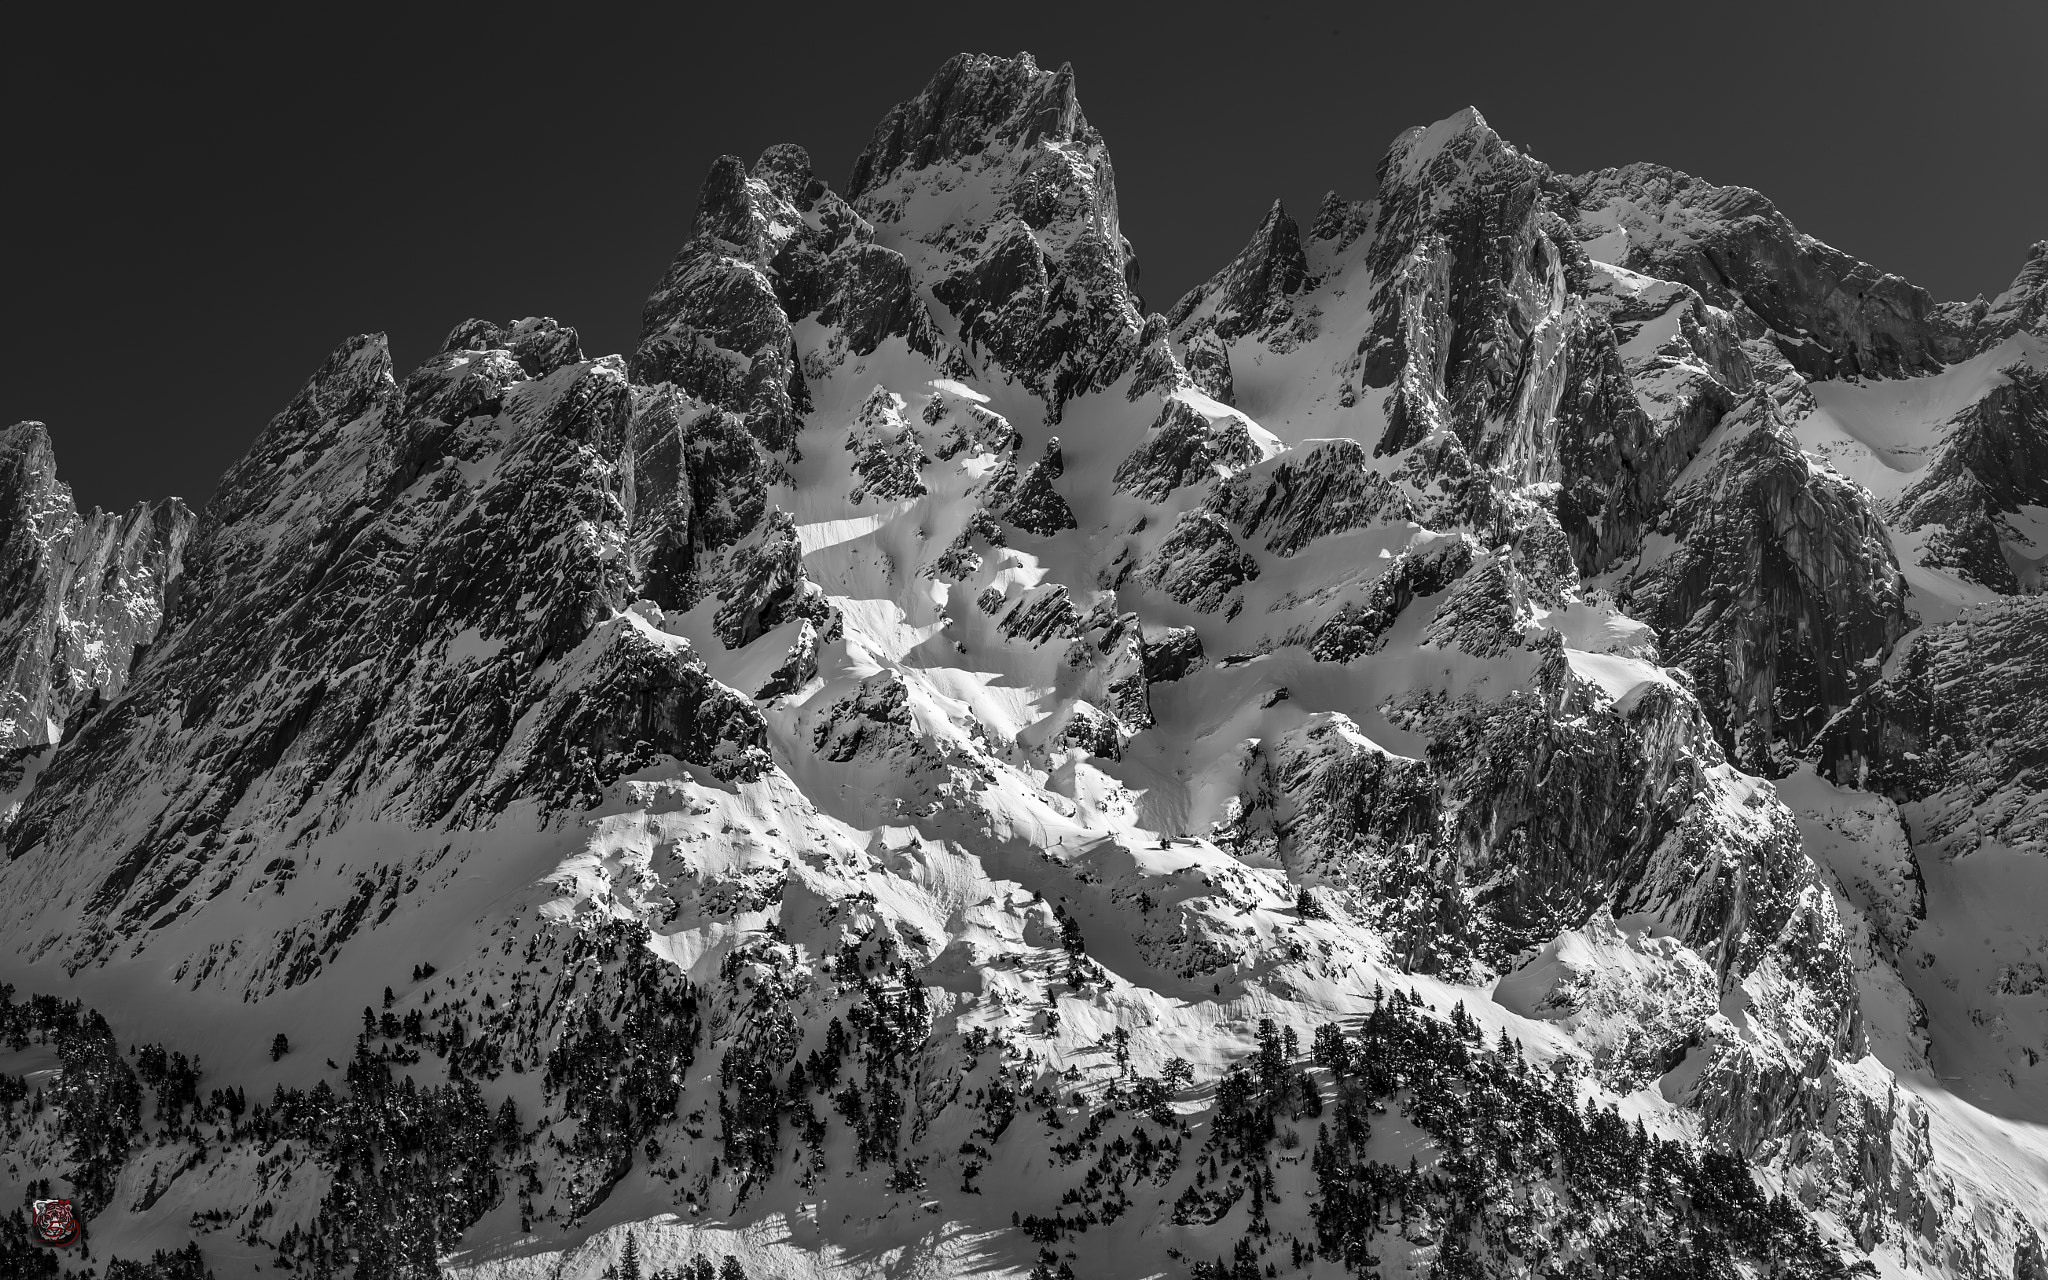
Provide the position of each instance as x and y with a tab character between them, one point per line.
975	102
81	596
539	344
1001	196
1251	293
769	248
1468	270
1832	314
786	170
1436	162
1514	558
2023	307
433	651
28	465
298	459
1341	221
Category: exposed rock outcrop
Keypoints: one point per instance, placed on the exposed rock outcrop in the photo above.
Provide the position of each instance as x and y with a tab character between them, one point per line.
1038	275
1774	584
1252	294
80	596
1958	726
1993	464
814	778
1531	813
342	645
1831	314
769	248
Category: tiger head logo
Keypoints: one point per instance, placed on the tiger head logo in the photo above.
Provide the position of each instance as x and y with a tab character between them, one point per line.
54	1223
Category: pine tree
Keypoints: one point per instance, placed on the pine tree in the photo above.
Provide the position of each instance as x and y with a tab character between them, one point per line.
1272	1058
629	1257
1330	1049
279	1046
1178	1074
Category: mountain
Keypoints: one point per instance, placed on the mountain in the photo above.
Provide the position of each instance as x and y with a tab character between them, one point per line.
1495	736
85	593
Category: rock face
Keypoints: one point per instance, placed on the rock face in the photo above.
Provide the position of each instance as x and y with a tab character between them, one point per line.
1036	270
1653	369
1190	443
1992	467
1779	592
771	247
2021	309
1539	395
349	640
83	593
699	484
1252	293
1955	728
1495	658
1526	815
1832	315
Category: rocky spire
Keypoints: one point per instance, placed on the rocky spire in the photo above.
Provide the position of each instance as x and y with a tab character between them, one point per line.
432	650
1037	274
80	596
2023	307
974	103
770	247
1832	314
1253	289
1781	595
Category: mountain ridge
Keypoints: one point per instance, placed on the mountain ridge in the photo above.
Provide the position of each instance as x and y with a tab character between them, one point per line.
914	633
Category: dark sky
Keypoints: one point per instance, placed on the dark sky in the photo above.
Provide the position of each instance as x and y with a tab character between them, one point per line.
197	213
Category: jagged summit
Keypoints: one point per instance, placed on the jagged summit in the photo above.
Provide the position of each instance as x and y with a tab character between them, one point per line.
1461	139
974	102
1270	268
82	593
1490	738
772	248
1003	198
2023	307
1836	314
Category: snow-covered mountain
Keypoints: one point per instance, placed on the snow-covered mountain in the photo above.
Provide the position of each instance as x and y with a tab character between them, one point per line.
1499	736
